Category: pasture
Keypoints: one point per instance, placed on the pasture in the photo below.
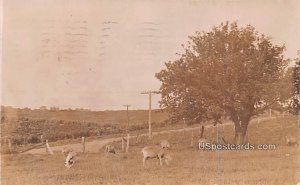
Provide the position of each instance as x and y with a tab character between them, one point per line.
189	166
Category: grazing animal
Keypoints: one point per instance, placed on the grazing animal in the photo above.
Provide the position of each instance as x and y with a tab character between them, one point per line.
150	152
165	144
202	144
70	159
66	150
110	149
291	141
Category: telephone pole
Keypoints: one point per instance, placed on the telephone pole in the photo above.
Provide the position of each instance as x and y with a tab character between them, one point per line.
149	121
127	129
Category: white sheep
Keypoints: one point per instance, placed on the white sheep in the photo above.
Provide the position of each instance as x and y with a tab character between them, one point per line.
202	144
165	144
70	159
291	141
155	152
110	149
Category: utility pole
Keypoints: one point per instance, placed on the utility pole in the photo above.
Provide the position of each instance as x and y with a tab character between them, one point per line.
149	121
127	129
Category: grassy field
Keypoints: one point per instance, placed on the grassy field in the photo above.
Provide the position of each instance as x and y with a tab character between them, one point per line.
189	166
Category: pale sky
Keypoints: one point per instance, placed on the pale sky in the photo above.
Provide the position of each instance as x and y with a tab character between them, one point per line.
101	54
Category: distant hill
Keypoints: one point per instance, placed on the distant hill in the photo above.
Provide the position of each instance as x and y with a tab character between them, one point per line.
26	125
84	115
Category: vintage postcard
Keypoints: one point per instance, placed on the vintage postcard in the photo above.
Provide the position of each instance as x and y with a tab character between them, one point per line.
148	92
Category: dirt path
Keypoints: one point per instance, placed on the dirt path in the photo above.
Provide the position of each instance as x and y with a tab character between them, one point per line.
94	146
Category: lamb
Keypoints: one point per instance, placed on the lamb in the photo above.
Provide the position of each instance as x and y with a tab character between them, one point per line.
66	150
70	160
291	141
202	144
155	152
110	149
165	144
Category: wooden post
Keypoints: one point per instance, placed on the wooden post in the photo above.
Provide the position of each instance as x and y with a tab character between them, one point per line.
9	144
137	138
239	138
83	144
246	138
192	139
41	138
217	133
149	121
127	145
202	131
122	144
270	113
48	149
46	142
150	126
127	129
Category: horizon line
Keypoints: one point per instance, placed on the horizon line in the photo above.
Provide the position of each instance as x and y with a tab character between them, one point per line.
57	108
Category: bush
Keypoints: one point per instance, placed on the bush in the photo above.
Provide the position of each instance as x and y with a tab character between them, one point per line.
33	139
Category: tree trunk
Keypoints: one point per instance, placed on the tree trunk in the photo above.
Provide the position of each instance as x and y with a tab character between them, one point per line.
244	132
237	131
240	131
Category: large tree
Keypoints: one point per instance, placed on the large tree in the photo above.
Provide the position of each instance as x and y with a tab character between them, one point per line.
295	100
229	71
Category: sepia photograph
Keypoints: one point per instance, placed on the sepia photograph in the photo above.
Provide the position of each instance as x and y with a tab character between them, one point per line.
149	92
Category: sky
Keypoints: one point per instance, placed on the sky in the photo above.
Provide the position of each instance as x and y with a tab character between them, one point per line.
101	54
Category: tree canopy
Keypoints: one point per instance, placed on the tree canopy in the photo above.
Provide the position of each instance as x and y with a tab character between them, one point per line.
228	71
295	103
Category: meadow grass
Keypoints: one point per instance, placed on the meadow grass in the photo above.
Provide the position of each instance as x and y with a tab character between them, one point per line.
189	166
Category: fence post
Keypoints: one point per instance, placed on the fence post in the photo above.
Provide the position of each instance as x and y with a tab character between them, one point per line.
41	138
83	144
122	144
137	138
127	145
239	138
9	144
192	138
46	142
48	149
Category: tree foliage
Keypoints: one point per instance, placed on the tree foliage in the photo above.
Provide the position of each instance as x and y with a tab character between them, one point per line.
295	103
229	71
